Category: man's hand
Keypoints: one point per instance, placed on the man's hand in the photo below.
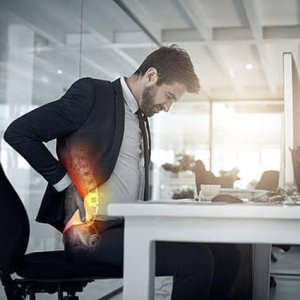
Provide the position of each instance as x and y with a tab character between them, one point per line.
73	201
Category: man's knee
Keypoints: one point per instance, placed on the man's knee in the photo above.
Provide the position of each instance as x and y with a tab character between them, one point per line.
198	256
232	258
192	258
227	258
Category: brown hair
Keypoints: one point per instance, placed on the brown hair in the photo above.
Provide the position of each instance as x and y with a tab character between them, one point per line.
173	64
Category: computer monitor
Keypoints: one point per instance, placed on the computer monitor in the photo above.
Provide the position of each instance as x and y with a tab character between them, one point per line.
296	166
291	120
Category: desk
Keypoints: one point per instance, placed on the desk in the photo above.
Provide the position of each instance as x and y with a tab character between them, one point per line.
147	222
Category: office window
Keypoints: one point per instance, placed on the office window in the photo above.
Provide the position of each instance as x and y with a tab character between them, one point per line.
37	65
183	130
246	135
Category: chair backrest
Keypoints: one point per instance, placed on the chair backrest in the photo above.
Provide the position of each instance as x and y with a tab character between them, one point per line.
296	166
268	181
14	226
202	176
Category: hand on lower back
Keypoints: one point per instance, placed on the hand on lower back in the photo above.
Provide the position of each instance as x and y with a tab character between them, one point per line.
73	202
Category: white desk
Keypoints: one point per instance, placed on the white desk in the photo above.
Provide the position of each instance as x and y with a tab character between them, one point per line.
147	222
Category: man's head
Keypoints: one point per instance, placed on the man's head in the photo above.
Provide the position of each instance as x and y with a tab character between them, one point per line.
165	75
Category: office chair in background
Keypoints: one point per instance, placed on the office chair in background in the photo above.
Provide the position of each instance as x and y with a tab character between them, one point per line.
39	272
202	176
268	181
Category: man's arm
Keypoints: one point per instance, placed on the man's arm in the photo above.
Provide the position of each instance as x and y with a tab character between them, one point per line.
28	133
73	201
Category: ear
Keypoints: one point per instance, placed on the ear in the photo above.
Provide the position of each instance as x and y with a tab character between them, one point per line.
151	76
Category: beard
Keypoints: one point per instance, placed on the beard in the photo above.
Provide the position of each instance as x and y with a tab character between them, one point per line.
148	105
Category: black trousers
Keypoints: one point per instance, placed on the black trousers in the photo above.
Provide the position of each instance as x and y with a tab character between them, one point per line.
200	271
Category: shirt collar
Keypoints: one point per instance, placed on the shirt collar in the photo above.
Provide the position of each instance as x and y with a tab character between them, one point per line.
128	96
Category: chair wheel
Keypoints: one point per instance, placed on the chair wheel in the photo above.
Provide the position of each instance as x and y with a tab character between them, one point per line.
273	258
272	282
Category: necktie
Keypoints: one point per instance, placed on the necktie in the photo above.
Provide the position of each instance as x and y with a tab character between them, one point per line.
144	126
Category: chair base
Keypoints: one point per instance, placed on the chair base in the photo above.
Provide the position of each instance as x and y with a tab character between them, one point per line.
112	294
18	289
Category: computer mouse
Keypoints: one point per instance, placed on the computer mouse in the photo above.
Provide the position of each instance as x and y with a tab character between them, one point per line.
227	198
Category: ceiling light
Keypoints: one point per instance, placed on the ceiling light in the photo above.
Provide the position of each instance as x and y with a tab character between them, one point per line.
59	71
248	66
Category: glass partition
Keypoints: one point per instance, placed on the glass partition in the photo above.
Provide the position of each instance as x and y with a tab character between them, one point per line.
37	65
46	45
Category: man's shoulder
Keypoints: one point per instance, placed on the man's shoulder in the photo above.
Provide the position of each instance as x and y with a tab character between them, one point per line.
100	87
97	81
91	80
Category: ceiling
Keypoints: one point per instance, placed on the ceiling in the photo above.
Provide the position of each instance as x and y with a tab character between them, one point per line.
236	45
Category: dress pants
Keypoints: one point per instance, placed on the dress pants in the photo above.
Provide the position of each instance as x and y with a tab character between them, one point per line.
197	269
227	258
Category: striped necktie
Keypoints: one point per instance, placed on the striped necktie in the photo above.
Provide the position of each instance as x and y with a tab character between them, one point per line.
144	126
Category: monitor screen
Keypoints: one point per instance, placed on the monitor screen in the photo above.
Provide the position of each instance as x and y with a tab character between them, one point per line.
291	120
295	153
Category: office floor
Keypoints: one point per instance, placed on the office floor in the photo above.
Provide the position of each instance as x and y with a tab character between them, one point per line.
288	285
287	289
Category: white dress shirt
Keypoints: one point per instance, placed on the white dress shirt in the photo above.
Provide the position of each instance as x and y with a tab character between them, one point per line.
127	181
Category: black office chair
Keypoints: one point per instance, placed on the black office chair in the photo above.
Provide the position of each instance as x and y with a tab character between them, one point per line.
39	272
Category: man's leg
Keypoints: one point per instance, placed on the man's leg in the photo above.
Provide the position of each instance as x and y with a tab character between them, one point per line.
190	264
226	266
106	246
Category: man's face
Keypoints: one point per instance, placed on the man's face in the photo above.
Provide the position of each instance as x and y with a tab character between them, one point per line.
157	98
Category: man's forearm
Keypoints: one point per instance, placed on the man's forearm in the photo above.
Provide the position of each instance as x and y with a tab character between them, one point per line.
26	143
53	120
63	183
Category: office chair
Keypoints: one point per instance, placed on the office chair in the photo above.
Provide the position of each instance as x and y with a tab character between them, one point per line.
39	272
268	181
202	176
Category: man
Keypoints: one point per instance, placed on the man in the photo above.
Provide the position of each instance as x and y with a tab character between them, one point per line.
99	129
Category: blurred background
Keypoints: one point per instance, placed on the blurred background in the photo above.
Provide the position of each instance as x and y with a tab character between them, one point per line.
236	47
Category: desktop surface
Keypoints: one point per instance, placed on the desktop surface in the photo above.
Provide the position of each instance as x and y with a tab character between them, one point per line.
189	220
195	208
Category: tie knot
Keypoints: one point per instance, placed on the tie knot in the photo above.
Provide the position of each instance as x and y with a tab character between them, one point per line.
139	112
140	115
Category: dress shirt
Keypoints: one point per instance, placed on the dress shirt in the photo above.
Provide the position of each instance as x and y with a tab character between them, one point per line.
126	183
